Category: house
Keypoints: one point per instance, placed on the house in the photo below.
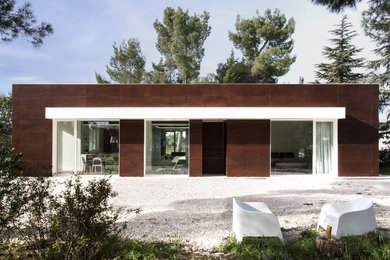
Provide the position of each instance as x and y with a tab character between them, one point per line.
253	130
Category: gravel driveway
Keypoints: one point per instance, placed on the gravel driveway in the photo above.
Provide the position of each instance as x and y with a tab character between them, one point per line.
199	210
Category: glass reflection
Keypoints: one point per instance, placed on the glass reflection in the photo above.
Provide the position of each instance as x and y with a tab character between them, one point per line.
166	147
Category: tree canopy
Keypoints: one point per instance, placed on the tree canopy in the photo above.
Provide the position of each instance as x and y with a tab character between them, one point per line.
336	6
342	57
234	71
266	44
376	25
5	120
17	22
127	65
180	39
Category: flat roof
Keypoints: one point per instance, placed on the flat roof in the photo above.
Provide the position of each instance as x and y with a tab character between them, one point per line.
208	113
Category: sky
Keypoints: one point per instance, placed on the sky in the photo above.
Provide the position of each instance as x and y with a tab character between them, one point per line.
84	31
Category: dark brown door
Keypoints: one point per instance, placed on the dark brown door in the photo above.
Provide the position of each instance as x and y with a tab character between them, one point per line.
213	148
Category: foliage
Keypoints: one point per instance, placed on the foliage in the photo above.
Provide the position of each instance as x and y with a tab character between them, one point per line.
342	57
133	249
159	74
376	25
77	223
33	225
304	246
180	39
266	44
10	209
336	6
234	71
254	248
83	220
5	120
15	23
210	78
126	65
370	246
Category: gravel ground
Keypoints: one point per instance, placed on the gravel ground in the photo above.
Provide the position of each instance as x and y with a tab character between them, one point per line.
199	210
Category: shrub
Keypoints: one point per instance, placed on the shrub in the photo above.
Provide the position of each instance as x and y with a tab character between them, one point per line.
11	189
83	223
33	228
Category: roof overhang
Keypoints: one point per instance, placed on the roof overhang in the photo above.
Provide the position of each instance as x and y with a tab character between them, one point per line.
207	113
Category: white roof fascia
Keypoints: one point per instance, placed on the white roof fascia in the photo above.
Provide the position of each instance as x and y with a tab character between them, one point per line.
170	113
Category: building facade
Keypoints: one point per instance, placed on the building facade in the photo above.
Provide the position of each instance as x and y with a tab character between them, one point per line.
252	130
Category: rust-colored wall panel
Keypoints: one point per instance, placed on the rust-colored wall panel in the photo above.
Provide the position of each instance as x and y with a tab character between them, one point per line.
286	95
69	90
317	96
131	151
40	91
28	114
357	132
195	148
248	148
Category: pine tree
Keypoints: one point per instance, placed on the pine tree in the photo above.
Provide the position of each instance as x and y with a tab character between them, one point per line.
21	22
266	44
336	6
342	57
376	25
127	64
180	39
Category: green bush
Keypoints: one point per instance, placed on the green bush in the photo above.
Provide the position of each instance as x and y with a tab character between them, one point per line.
84	222
11	190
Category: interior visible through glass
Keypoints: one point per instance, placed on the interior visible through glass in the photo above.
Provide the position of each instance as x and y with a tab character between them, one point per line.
291	147
98	147
166	147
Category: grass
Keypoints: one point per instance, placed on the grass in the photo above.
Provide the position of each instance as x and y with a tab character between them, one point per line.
370	246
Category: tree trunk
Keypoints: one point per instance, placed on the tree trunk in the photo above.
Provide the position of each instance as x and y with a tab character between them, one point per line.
330	248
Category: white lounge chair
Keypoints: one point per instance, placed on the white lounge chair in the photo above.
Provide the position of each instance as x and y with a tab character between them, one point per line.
348	218
254	219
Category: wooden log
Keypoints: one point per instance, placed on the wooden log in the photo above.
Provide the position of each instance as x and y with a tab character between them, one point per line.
330	248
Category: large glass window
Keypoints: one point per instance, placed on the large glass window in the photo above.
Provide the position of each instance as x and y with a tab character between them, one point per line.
65	147
166	147
291	146
98	146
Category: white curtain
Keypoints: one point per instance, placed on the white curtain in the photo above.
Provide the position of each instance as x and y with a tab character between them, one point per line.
324	150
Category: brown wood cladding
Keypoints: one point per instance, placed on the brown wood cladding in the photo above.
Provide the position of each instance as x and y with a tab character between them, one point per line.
131	135
248	148
357	134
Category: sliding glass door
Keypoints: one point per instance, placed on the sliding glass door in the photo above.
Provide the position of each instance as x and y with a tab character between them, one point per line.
304	147
166	148
291	147
86	147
